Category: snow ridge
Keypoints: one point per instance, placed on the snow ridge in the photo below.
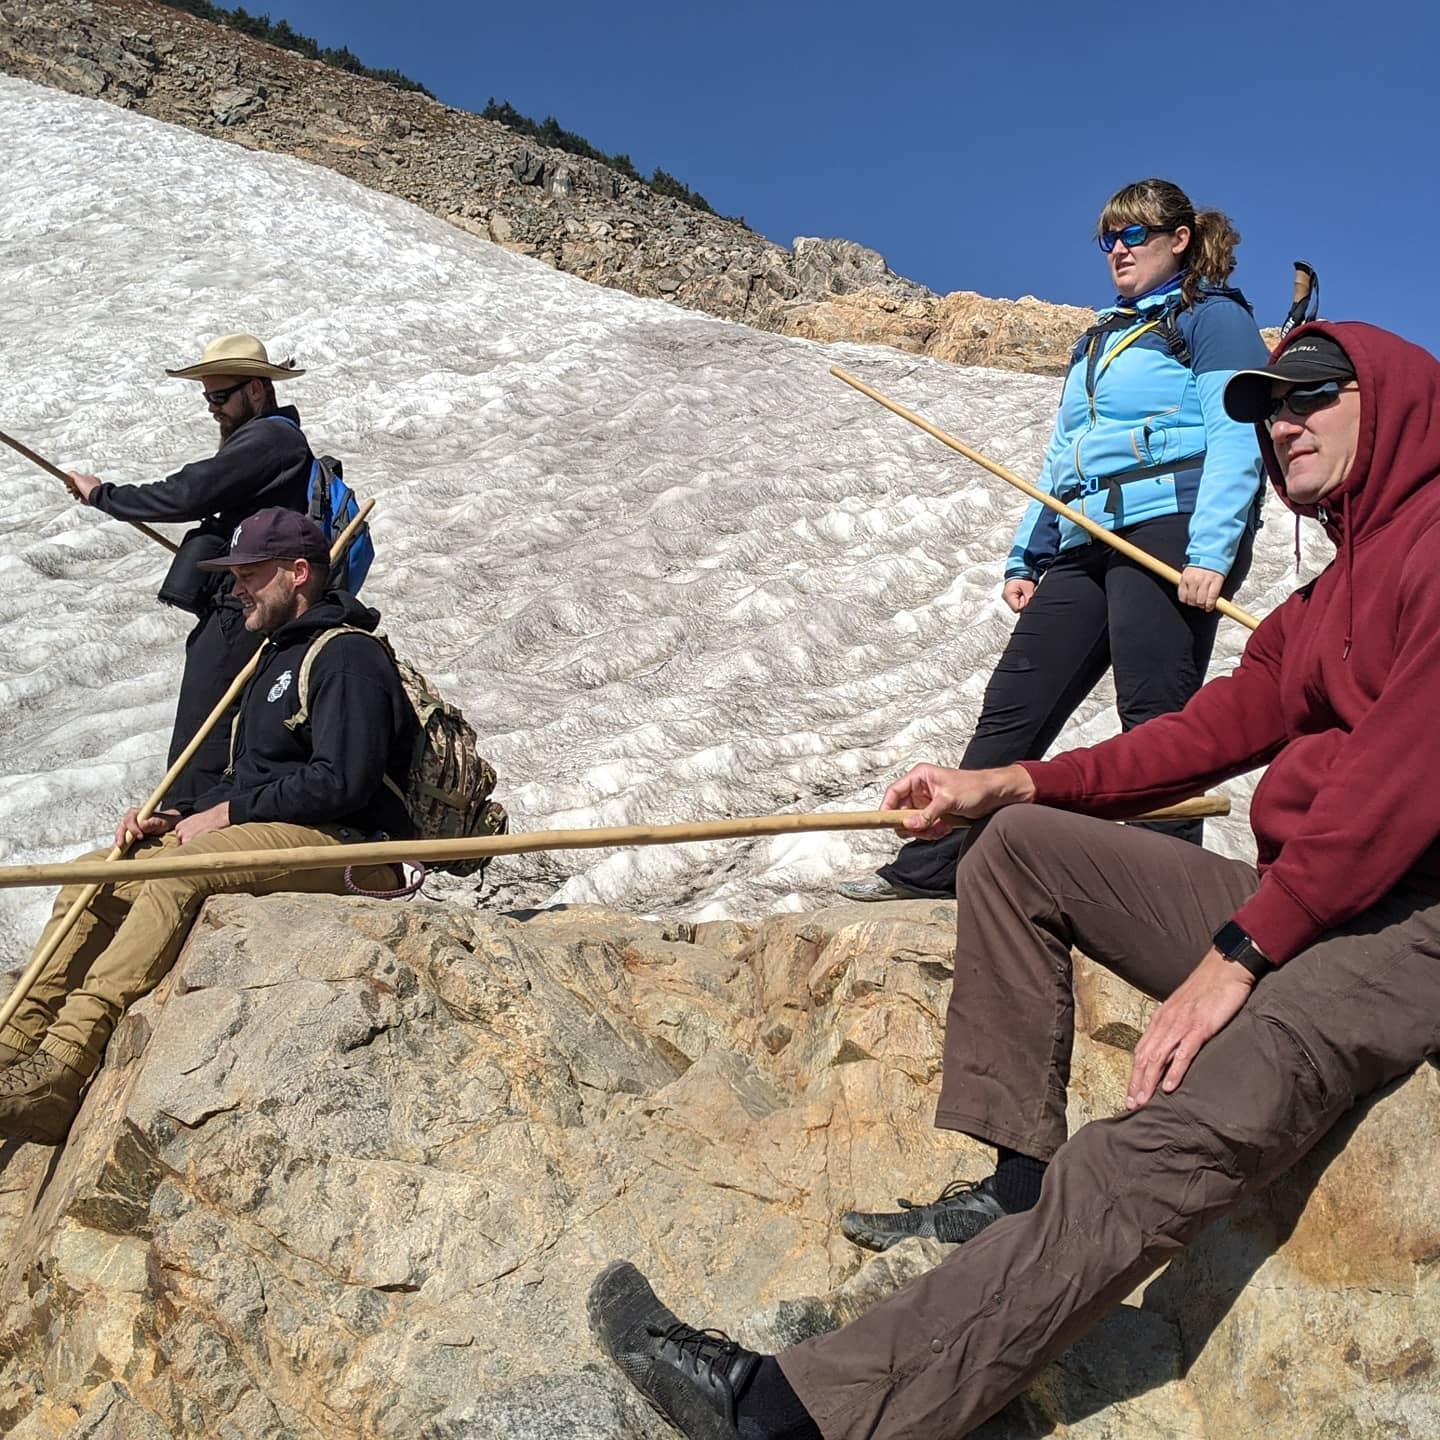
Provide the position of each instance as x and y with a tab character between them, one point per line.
668	565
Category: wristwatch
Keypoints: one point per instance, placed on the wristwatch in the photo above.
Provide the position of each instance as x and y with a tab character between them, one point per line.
1234	944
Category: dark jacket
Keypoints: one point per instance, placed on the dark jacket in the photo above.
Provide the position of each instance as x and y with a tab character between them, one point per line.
1337	690
329	770
265	462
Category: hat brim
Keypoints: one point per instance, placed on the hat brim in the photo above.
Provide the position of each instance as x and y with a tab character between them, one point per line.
229	562
250	369
1247	395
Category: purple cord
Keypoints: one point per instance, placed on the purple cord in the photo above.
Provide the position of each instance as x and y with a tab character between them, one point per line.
403	893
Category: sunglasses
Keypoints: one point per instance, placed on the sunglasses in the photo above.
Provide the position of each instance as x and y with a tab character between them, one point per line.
1133	235
1303	402
218	397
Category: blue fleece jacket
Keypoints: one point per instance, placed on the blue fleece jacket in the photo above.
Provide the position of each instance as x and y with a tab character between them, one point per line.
1140	434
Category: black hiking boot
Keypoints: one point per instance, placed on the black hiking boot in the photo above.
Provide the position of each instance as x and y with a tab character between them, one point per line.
959	1213
691	1377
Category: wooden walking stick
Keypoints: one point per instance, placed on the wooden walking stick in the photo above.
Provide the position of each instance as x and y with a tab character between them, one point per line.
106	872
1091	527
60	475
159	866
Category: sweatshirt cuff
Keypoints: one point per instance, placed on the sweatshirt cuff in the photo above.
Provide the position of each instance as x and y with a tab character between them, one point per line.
1277	922
1055	781
240	809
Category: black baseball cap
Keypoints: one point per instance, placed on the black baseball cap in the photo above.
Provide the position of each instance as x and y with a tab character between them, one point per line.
1310	360
273	534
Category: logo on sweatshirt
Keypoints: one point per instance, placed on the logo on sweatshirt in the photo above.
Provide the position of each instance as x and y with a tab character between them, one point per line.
279	687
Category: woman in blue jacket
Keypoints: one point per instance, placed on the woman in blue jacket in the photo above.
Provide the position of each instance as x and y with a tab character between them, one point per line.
1143	446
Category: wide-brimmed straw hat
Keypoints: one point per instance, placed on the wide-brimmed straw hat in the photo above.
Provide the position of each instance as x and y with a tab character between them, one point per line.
237	355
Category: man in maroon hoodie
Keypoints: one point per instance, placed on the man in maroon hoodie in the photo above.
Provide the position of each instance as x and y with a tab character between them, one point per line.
1290	991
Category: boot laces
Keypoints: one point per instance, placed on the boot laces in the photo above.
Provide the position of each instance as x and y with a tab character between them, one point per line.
24	1072
710	1350
953	1191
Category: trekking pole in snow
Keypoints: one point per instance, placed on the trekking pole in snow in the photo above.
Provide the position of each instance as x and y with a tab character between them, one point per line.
106	874
1116	542
394	852
60	475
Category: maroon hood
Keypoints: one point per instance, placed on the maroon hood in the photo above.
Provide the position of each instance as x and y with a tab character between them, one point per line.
1399	446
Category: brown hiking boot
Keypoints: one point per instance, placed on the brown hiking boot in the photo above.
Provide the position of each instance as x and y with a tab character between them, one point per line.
39	1098
9	1054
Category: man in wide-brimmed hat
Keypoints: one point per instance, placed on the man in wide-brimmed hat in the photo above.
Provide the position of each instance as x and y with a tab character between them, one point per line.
331	775
263	460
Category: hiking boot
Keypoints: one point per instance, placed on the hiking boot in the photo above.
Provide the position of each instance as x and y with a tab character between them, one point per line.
39	1098
875	887
958	1213
691	1377
9	1054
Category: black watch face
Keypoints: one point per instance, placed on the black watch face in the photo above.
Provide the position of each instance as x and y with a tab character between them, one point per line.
1231	941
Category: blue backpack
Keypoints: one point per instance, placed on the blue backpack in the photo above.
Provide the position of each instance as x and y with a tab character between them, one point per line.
332	507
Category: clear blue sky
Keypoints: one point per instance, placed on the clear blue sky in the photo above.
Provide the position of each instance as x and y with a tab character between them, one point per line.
973	144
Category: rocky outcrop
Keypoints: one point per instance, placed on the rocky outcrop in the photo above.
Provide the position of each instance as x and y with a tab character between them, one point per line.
351	1169
1027	334
574	214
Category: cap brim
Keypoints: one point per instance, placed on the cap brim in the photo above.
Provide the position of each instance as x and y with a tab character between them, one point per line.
229	562
1247	395
1247	392
250	369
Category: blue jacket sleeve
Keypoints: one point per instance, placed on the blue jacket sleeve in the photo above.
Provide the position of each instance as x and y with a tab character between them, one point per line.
1223	339
1037	539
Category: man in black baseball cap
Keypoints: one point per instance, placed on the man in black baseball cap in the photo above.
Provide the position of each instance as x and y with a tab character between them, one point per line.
1310	365
319	755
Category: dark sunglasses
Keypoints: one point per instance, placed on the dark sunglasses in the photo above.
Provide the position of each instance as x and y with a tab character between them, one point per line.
1303	402
1133	235
218	397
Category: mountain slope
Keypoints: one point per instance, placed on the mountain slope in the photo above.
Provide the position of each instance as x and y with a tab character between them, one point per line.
668	565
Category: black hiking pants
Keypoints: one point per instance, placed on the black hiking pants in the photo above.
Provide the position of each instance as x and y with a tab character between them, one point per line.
1093	609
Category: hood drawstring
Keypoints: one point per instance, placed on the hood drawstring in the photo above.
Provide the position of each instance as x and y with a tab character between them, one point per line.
1328	517
1297	542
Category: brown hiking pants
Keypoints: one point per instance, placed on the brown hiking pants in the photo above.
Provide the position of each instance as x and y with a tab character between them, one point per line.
127	939
1356	1010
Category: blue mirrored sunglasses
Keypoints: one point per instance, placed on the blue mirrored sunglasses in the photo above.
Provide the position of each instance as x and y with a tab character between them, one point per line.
1301	402
1133	236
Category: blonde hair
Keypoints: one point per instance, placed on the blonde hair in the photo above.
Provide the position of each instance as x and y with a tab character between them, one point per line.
1209	258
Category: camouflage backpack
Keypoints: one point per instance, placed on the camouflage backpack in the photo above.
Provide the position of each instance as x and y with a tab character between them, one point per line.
447	787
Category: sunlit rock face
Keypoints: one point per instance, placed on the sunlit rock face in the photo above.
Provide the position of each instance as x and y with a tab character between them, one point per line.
351	1170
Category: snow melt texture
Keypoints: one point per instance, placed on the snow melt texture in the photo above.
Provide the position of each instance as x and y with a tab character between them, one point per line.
668	566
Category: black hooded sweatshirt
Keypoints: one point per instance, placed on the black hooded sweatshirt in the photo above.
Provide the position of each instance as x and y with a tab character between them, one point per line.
330	770
265	462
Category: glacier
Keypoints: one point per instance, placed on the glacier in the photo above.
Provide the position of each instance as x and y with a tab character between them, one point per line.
669	566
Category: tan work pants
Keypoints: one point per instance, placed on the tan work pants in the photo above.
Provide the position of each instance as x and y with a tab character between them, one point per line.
1356	1010
126	940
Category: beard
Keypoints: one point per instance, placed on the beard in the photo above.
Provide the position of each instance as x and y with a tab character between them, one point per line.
230	424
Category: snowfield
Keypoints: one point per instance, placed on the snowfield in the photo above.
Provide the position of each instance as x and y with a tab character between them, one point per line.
669	566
